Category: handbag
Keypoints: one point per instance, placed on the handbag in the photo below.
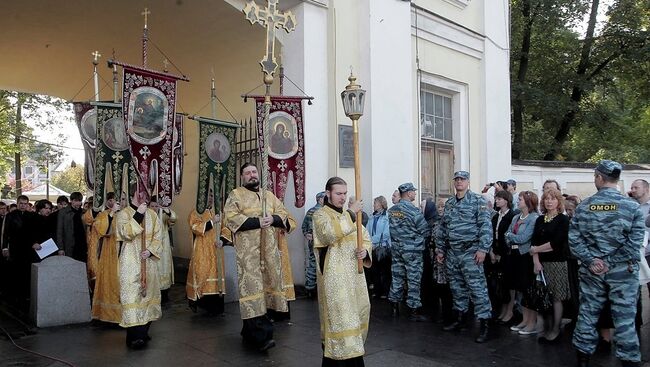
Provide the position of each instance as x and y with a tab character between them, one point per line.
538	297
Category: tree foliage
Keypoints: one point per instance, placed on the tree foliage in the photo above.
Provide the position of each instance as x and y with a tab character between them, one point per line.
22	115
71	179
580	72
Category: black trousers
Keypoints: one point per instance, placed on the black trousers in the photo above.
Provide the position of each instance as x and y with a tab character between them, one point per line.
380	274
213	304
442	302
140	332
257	331
352	362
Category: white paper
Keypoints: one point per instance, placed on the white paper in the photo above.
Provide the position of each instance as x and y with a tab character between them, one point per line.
47	248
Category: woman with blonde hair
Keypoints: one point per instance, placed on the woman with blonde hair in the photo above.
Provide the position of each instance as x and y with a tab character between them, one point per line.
550	247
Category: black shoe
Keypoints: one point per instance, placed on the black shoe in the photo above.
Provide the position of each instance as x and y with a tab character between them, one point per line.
193	306
544	340
137	344
583	360
458	324
416	316
630	364
267	345
394	309
483	332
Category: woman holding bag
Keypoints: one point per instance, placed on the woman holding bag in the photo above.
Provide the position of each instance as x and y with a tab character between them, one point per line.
550	248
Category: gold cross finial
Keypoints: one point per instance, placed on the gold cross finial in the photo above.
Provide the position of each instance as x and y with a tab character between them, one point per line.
145	13
271	18
165	65
96	56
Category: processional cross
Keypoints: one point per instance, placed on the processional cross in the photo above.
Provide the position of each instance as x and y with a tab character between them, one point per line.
271	18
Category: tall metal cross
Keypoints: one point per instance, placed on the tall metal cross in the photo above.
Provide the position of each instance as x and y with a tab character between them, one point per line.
96	56
145	13
271	18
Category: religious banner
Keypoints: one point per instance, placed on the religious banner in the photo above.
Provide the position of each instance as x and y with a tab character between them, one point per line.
216	161
286	145
149	114
178	155
113	169
85	117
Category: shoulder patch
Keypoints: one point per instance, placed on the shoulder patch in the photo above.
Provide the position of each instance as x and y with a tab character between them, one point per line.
603	207
396	214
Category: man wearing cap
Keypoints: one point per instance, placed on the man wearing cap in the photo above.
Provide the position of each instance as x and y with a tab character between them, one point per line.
606	235
308	232
464	237
407	231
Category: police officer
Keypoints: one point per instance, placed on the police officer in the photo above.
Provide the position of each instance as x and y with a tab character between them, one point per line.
407	230
606	235
308	232
464	237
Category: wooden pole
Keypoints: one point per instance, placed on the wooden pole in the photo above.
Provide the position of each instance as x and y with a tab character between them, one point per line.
143	262
357	191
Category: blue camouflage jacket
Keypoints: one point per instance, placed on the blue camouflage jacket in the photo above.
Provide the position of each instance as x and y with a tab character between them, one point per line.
607	226
465	222
407	226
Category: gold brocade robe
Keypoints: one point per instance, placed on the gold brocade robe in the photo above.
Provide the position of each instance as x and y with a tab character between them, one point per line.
263	263
106	297
92	241
166	262
206	274
138	310
343	301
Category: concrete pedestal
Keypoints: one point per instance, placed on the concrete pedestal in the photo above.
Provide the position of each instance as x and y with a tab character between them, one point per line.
59	292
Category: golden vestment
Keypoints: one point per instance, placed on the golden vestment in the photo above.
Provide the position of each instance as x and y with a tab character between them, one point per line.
343	300
106	297
166	262
138	310
263	263
92	241
206	274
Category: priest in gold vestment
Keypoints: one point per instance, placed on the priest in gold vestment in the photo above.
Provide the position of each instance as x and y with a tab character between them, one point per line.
206	280
106	297
140	296
263	264
88	218
343	301
166	219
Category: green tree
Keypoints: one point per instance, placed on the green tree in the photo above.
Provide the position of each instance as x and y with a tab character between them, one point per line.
579	71
71	179
20	115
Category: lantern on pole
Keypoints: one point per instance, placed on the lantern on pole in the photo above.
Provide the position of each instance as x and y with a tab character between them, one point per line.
353	98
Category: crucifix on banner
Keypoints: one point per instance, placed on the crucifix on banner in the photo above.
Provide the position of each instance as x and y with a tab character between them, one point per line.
271	18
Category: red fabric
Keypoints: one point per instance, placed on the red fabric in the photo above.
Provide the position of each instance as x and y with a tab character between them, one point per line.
281	159
152	160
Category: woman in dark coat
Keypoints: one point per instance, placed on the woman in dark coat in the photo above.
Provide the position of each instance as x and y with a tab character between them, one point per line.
493	267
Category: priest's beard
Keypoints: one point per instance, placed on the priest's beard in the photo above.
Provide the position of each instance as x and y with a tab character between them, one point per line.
252	185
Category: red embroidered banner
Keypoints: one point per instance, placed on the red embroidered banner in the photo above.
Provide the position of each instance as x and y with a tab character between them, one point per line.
286	145
149	115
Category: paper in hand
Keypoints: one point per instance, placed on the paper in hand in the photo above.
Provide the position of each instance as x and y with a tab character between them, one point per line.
47	248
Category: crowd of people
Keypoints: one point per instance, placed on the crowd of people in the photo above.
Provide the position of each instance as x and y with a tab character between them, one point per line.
539	266
535	265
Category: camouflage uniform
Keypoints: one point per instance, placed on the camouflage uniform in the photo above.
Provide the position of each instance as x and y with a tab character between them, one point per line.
308	228
608	226
407	230
466	228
